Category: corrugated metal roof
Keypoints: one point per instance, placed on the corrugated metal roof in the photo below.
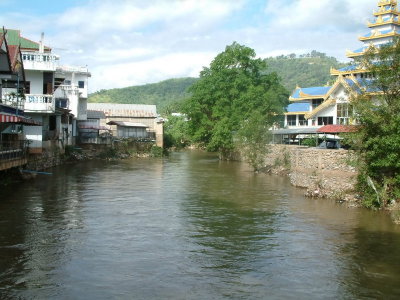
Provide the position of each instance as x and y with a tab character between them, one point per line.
125	110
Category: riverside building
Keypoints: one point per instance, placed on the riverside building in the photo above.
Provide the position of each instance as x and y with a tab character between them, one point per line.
312	108
55	95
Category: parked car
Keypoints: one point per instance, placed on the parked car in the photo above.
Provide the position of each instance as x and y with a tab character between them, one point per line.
330	144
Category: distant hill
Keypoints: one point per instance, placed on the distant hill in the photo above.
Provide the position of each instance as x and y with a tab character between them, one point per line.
164	94
312	69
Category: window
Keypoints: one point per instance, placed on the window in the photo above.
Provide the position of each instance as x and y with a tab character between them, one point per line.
81	84
27	87
291	120
316	103
302	121
325	121
344	113
52	123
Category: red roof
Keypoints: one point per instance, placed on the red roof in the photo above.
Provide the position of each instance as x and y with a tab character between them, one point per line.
13	52
2	39
337	129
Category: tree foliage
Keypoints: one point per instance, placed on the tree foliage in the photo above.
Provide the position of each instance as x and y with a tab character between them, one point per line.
230	92
176	132
252	139
377	141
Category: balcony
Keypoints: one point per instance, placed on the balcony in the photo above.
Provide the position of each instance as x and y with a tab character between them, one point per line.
39	103
40	61
10	99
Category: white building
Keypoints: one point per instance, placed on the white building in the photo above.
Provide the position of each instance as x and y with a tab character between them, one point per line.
55	95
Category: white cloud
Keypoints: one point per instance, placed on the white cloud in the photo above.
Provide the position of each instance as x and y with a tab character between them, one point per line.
135	42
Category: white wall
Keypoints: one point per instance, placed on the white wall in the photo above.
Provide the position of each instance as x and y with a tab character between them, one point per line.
36	81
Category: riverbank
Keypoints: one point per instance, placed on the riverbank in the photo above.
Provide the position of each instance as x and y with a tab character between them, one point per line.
324	173
36	163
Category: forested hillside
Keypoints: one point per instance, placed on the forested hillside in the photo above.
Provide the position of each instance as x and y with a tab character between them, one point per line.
310	69
164	94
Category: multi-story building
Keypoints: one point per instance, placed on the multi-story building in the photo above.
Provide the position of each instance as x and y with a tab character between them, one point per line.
55	95
12	117
313	107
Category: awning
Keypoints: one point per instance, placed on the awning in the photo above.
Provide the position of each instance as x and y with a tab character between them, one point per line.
18	120
333	129
304	130
127	124
95	127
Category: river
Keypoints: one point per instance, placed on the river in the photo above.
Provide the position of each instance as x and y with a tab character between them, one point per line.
188	227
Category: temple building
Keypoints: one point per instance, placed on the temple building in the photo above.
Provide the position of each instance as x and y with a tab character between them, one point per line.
314	107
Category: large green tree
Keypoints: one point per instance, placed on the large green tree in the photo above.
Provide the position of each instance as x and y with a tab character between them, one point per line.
229	92
377	140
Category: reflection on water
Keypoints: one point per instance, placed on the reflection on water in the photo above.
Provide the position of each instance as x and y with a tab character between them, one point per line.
188	227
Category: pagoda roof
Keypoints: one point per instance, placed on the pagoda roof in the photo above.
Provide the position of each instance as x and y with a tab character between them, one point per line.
298	108
376	34
384	20
361	51
352	69
309	93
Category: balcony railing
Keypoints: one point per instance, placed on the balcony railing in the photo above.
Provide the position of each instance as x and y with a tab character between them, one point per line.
39	103
10	98
40	61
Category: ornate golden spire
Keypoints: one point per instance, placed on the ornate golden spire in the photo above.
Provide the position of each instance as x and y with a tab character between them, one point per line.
387	2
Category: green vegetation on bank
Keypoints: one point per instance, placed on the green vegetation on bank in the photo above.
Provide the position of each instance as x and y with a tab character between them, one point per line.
377	141
229	94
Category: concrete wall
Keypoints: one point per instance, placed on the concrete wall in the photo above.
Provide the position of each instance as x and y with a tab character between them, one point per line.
313	168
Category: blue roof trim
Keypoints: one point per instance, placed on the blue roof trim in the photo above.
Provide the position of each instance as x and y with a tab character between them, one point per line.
368	85
349	68
298	107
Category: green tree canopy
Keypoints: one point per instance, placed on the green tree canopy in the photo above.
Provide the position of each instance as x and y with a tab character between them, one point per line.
230	91
378	139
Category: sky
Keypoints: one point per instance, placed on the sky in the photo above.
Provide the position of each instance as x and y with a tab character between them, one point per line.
134	42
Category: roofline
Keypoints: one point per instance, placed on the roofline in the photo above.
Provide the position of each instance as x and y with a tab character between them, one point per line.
296	113
19	31
336	72
373	37
306	98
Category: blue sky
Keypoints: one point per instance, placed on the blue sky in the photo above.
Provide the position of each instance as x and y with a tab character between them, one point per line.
131	42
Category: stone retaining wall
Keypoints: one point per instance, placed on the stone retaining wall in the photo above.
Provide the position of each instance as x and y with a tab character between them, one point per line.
45	160
325	171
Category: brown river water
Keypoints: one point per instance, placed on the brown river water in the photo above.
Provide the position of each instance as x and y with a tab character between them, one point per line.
188	227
